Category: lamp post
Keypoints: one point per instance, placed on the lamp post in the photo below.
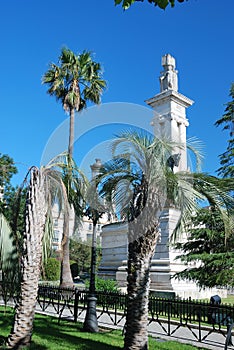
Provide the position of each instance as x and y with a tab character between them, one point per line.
94	213
91	323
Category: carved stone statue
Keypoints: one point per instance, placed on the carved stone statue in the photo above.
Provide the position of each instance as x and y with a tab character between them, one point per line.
168	78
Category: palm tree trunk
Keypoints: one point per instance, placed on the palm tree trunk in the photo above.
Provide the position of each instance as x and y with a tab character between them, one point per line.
71	132
30	263
140	252
66	280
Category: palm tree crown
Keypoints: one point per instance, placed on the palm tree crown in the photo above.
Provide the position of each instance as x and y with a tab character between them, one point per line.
76	80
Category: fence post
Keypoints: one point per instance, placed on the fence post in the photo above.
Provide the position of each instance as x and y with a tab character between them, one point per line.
199	324
116	309
59	295
169	318
77	294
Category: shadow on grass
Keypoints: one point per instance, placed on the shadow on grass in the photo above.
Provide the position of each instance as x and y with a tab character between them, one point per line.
68	335
49	335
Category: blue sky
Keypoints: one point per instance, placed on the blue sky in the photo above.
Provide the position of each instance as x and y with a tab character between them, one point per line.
129	45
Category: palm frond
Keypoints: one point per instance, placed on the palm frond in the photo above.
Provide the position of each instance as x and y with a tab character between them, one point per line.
139	156
196	147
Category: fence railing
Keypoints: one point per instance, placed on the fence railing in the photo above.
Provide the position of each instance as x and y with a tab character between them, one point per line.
169	315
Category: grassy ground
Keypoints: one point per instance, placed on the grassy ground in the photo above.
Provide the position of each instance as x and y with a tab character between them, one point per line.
49	335
228	300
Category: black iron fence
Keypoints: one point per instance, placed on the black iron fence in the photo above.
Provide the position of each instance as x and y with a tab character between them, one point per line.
73	302
187	310
166	316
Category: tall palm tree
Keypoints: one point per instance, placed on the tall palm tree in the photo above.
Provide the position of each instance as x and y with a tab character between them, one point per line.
142	184
76	80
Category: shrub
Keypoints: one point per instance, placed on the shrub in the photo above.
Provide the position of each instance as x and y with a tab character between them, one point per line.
52	269
104	285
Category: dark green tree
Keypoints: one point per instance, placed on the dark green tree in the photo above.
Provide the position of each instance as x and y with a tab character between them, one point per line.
208	253
7	169
81	254
160	3
75	81
12	206
227	121
52	270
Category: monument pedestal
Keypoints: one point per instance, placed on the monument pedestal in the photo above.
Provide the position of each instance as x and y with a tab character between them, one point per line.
114	249
163	265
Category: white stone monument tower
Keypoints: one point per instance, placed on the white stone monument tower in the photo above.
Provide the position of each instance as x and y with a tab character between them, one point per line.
169	121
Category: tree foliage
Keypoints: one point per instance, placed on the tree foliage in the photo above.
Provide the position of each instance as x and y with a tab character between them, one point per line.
12	203
227	121
9	262
160	3
104	285
52	270
208	253
12	211
13	208
81	254
7	169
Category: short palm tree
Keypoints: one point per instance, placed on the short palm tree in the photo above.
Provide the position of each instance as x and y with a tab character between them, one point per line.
142	185
46	186
75	81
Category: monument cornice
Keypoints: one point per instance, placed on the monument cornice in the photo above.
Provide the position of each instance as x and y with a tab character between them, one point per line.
171	95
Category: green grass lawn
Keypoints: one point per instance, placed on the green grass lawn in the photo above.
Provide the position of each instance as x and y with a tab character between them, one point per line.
48	334
228	300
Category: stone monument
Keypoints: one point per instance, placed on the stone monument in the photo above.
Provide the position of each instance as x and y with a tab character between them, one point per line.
170	121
